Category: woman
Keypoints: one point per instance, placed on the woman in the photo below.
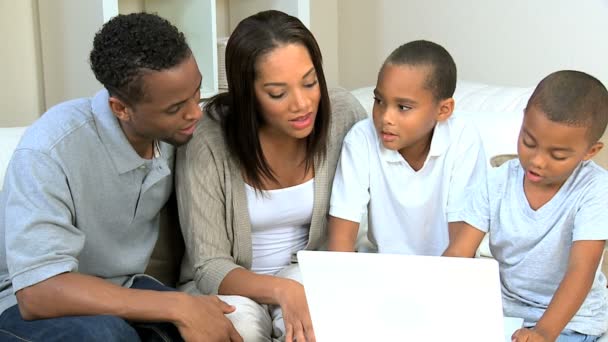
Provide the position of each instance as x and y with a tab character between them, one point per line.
253	184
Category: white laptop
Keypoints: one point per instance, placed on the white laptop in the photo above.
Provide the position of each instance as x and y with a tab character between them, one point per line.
387	297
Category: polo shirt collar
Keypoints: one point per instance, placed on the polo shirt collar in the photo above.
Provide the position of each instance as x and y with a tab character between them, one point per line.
112	136
439	144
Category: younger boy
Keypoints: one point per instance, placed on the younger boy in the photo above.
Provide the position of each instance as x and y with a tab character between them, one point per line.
410	166
546	214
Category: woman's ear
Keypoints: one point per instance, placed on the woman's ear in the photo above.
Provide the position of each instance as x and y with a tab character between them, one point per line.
120	109
446	108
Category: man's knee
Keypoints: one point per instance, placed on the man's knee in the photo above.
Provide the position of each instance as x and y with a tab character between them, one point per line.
77	328
105	328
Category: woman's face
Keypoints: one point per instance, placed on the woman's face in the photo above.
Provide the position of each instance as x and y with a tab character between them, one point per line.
287	91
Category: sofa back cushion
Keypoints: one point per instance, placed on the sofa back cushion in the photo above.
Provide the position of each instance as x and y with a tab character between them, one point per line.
9	138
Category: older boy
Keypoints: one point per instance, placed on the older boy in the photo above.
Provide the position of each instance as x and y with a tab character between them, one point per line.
546	214
411	165
80	207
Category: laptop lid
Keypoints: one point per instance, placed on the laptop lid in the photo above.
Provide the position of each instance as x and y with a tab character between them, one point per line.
388	297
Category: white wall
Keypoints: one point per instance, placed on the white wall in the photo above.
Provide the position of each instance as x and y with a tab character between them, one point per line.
67	28
359	43
21	93
324	26
505	42
323	23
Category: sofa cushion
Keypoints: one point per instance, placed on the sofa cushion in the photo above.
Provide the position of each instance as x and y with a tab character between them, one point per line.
9	138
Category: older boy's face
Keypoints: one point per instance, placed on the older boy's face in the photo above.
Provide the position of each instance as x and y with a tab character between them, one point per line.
550	151
405	111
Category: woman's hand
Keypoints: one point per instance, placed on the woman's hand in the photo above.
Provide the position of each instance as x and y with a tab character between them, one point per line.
298	325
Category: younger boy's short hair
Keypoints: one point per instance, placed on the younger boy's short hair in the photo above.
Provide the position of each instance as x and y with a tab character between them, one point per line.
442	77
573	98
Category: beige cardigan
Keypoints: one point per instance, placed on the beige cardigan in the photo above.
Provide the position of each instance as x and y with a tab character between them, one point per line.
213	205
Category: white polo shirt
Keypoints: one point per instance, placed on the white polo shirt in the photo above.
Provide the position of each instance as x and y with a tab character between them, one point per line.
408	211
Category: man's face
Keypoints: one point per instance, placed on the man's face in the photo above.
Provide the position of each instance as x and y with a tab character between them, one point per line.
170	108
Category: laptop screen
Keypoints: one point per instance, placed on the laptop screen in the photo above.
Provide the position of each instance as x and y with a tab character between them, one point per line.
378	297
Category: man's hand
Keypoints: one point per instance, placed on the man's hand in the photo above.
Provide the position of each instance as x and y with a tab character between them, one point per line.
202	318
528	335
298	325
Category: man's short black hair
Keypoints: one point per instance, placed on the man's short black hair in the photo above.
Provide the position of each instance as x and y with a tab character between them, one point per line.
129	45
573	98
442	75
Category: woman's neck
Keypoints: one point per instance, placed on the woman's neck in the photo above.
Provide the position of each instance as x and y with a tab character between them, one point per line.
286	157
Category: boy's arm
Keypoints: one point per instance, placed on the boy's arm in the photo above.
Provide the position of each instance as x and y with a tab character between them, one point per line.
585	256
350	192
465	242
342	234
454	228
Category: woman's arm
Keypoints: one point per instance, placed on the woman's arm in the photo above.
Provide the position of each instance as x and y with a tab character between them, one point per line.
287	293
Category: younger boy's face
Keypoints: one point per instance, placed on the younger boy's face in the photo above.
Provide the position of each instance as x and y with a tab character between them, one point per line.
405	111
550	151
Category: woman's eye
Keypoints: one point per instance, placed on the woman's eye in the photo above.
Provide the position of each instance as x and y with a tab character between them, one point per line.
276	96
312	84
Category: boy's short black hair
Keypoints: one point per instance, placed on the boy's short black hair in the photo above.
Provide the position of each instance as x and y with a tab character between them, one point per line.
573	98
129	45
442	76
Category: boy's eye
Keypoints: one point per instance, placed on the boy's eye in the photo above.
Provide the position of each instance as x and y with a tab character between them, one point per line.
558	158
377	100
404	108
527	143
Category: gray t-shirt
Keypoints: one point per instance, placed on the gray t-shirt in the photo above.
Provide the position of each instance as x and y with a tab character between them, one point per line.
77	197
532	247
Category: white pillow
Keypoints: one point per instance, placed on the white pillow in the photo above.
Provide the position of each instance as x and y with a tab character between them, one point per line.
9	138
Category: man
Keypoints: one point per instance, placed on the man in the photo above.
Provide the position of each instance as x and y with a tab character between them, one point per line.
82	195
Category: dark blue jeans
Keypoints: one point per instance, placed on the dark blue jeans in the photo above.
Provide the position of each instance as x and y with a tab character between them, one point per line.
88	328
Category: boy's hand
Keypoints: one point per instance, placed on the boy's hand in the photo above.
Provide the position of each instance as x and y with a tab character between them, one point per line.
528	335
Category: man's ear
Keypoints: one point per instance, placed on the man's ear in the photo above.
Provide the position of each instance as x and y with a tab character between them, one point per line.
446	108
593	150
120	109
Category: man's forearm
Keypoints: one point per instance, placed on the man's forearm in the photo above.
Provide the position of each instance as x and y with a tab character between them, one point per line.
74	294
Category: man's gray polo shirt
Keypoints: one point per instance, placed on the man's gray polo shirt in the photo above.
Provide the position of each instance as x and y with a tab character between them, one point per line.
77	197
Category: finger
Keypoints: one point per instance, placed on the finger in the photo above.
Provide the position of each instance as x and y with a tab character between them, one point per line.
234	335
520	335
310	334
225	307
515	335
298	331
288	332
